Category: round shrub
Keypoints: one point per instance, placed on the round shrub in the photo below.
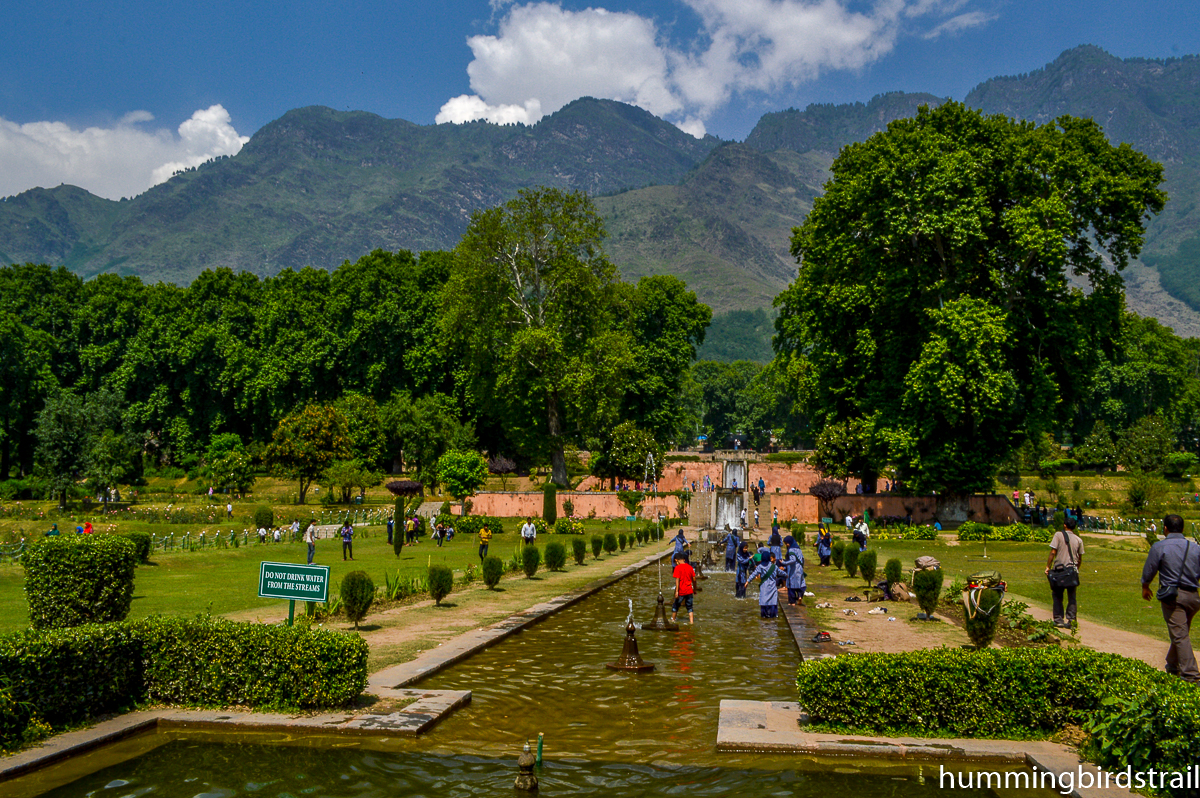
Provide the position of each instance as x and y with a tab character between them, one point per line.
441	581
928	586
142	541
868	563
597	546
579	549
81	579
531	558
264	518
493	570
358	593
621	541
556	556
850	559
837	553
982	628
610	542
893	571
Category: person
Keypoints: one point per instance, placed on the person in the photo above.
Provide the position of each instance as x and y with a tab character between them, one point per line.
775	544
685	588
528	531
824	544
681	545
849	523
295	528
1176	562
79	530
775	516
310	539
87	528
1066	552
754	493
743	518
391	528
408	530
229	509
768	585
485	537
756	518
794	563
1016	497
731	546
262	534
52	531
860	535
277	534
744	562
1154	530
735	483
347	540
762	486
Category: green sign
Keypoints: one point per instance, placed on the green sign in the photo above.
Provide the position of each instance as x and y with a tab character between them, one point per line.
285	580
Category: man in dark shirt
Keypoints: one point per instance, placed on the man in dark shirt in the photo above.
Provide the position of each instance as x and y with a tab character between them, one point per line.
1176	561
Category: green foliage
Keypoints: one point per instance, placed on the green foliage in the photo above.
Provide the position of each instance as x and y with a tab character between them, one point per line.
1179	464
610	543
928	587
556	555
142	543
568	526
867	565
441	582
837	553
264	517
1021	533
14	719
1145	446
531	558
1157	728
631	499
469	525
357	593
850	558
306	443
624	454
493	570
908	276
549	502
906	532
622	540
1006	693
578	550
597	546
462	472
75	580
893	571
1146	492
981	627
849	448
1099	448
350	475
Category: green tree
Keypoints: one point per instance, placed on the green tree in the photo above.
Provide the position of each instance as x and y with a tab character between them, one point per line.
624	454
346	475
420	430
1099	448
462	472
1145	446
529	311
308	442
948	206
25	377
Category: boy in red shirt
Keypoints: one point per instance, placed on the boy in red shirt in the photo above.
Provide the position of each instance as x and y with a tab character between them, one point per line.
685	587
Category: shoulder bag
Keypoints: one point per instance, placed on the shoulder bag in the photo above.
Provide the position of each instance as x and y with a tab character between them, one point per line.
1062	576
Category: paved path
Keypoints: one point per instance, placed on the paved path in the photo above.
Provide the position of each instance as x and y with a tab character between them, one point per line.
1097	636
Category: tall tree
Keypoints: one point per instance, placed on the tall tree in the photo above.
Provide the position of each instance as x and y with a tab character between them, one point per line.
954	204
306	443
528	306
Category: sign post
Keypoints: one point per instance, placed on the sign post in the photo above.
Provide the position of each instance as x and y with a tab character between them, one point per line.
291	581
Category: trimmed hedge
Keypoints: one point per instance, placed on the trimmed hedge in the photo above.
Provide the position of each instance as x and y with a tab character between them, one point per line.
597	546
357	592
549	502
79	579
142	541
556	556
441	581
471	524
264	518
579	550
531	558
1015	693
610	542
908	532
1020	533
493	571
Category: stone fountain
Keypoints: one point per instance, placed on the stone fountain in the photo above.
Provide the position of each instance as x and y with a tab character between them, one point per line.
660	622
630	659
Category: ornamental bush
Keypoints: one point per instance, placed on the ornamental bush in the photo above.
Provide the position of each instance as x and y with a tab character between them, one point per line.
531	558
1020	533
850	558
264	518
928	586
610	542
597	546
568	526
469	525
622	540
142	541
549	502
556	556
868	564
893	571
358	593
441	582
493	571
79	579
981	627
579	549
837	553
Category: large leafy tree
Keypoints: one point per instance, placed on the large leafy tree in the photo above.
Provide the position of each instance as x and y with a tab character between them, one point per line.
307	442
462	472
529	310
953	205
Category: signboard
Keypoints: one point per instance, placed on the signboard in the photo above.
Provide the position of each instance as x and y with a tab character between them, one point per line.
286	580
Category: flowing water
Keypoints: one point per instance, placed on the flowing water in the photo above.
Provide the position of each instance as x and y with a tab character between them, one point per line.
606	733
735	474
729	510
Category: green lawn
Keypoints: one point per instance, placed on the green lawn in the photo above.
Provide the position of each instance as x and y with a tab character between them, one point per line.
226	580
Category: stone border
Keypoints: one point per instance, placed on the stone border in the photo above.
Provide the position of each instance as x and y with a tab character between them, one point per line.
459	648
776	727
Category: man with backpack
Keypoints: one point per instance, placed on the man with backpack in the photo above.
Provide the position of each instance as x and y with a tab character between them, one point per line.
1062	571
1178	569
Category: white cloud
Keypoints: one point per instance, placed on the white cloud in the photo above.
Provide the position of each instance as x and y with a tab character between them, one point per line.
544	56
119	161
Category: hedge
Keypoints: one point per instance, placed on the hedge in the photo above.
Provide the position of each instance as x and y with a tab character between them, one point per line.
79	579
471	524
1021	533
907	532
143	543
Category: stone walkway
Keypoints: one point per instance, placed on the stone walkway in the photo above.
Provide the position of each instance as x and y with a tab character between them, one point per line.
1105	638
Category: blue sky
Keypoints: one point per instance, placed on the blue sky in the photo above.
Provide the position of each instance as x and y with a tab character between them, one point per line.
115	95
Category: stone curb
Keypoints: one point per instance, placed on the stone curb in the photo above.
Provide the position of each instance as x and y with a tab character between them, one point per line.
776	727
468	643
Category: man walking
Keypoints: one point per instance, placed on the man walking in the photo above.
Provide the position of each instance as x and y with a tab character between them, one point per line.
310	539
347	540
1176	561
1062	570
528	531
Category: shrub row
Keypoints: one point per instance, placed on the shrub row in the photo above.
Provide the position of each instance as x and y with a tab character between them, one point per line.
471	524
912	532
1021	533
66	675
79	579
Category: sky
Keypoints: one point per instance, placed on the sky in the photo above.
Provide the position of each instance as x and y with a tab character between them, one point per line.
114	96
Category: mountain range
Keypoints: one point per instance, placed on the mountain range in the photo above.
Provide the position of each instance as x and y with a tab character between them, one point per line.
317	187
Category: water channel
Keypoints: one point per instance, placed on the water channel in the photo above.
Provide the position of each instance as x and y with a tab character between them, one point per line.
606	733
